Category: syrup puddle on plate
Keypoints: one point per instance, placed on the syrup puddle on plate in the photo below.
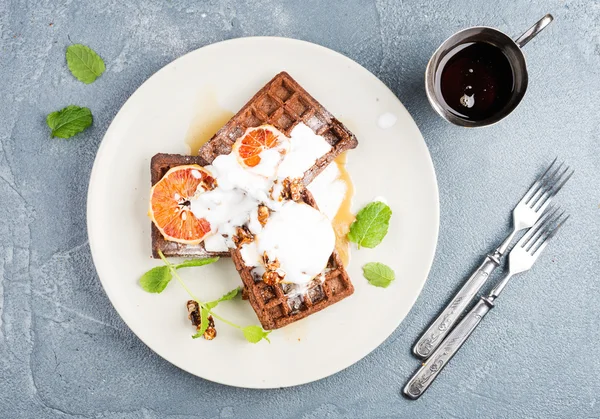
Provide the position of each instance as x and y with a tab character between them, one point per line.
210	117
344	217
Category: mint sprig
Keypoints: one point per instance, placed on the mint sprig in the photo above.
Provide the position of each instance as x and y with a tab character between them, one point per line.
371	225
210	305
196	262
157	279
253	334
85	64
226	297
378	274
69	121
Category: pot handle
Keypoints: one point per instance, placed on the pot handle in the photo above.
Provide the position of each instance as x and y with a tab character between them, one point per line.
522	40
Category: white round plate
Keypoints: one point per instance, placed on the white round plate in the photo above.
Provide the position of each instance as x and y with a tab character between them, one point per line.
392	162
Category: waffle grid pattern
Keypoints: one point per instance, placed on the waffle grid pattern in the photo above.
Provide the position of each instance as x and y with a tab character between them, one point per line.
159	165
277	305
283	103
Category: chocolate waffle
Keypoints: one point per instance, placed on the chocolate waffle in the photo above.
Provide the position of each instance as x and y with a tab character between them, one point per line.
283	103
279	305
159	165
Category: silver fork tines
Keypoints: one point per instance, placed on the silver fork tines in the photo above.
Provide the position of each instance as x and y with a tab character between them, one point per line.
521	258
537	185
544	231
533	208
527	241
528	249
547	186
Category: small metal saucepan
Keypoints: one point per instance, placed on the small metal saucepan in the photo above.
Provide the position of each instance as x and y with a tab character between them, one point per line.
510	48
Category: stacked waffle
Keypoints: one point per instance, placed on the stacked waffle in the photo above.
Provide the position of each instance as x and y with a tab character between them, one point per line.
283	104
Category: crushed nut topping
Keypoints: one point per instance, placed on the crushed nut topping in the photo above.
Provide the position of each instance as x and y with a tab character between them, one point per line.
273	275
270	265
263	214
210	333
193	309
242	236
293	189
194	315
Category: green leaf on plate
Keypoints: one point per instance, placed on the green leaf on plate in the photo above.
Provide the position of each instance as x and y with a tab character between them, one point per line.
156	279
371	225
378	274
84	63
196	262
69	121
255	334
229	296
203	323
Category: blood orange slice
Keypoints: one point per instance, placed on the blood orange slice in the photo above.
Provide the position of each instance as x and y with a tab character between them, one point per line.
170	204
249	147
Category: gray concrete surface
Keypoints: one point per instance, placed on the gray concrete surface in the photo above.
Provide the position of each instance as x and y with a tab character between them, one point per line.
65	353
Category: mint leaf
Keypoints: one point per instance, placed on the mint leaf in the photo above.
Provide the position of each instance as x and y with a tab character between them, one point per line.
203	323
229	296
378	274
203	320
84	63
255	334
69	121
156	279
371	225
196	262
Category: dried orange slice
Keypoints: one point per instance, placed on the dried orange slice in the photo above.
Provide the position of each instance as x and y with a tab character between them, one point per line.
249	147
170	204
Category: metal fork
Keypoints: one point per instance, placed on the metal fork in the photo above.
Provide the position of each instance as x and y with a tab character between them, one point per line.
525	214
521	259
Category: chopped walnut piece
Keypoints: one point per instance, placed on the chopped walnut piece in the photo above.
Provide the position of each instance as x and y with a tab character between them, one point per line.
293	189
242	236
270	265
296	190
210	333
285	191
272	277
194	315
193	309
263	215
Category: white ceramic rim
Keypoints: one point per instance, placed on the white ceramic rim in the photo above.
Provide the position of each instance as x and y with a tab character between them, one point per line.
122	114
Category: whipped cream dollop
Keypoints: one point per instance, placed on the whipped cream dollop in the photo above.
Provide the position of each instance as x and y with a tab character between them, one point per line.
300	237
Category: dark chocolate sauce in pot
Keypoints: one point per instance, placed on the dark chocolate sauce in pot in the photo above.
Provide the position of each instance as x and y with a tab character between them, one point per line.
475	80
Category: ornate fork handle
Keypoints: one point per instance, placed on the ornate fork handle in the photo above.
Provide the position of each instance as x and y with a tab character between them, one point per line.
440	327
440	357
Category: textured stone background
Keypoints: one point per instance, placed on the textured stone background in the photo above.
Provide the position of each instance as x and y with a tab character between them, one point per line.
64	352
